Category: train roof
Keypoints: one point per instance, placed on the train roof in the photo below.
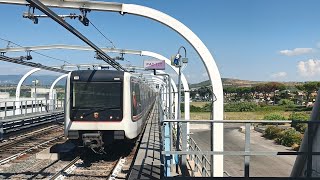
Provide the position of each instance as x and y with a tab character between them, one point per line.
96	75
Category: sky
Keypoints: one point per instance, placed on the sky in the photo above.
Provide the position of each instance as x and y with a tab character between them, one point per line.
265	40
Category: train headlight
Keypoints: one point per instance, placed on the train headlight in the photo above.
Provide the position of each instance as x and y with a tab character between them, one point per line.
110	117
96	115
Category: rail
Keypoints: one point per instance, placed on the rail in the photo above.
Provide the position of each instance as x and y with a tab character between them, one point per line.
22	123
201	162
25	107
201	159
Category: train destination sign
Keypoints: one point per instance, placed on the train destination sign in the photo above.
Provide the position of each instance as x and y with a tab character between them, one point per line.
154	64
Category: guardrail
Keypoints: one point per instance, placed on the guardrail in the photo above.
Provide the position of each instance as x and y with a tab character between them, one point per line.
202	163
14	125
14	108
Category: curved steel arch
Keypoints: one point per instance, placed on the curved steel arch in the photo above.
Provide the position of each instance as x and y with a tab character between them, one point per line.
54	83
180	28
18	89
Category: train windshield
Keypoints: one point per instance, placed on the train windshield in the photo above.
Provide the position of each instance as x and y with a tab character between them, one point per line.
96	95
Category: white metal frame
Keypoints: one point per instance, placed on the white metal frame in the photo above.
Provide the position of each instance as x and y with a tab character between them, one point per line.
18	89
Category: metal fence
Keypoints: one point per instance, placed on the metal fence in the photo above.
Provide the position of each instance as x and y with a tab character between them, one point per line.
14	108
201	160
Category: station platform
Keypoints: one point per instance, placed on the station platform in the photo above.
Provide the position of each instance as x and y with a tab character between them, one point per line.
147	164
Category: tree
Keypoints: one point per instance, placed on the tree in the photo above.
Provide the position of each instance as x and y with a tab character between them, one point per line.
308	88
193	94
267	88
243	92
204	92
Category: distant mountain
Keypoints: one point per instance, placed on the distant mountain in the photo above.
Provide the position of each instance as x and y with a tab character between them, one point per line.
228	82
48	80
43	79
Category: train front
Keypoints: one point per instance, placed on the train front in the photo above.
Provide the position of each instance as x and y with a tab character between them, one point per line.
93	107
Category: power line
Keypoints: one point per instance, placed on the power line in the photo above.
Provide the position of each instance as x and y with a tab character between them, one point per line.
103	34
52	57
44	55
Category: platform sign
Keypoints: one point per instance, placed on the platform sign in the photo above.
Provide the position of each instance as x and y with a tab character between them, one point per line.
154	64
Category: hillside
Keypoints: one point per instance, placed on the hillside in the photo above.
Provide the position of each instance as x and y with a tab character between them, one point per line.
227	82
14	79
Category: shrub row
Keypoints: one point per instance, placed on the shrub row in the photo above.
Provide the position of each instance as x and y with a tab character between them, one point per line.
241	107
300	116
287	137
248	107
206	108
284	105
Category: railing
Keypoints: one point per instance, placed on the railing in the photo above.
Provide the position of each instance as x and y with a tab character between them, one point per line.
202	164
14	108
10	127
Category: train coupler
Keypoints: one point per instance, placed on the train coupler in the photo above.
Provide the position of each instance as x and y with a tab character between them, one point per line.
92	140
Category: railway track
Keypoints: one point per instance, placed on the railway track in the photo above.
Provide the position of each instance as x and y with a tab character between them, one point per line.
78	168
117	163
78	164
30	143
89	165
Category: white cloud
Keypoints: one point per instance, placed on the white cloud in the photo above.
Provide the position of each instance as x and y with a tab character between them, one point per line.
309	68
296	51
279	75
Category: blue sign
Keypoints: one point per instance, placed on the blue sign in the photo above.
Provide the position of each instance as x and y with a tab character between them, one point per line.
176	60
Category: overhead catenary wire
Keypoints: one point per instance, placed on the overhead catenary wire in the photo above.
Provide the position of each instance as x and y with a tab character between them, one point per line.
102	34
41	54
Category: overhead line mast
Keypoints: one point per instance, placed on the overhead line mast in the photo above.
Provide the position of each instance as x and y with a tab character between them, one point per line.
59	20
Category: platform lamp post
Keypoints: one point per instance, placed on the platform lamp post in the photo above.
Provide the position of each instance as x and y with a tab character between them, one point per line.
178	61
35	82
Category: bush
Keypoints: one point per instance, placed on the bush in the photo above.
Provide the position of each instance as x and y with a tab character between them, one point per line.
286	102
301	127
274	117
207	107
272	108
289	137
272	132
195	108
241	107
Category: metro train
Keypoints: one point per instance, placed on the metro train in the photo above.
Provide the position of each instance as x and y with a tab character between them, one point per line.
103	106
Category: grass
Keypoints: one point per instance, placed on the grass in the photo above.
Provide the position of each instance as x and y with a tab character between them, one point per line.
198	104
258	115
198	115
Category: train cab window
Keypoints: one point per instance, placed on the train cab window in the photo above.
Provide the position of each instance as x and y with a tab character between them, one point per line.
96	94
96	101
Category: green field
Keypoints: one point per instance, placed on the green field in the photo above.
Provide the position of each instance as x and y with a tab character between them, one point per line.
257	115
237	115
198	104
